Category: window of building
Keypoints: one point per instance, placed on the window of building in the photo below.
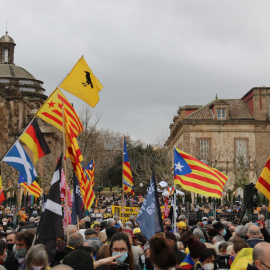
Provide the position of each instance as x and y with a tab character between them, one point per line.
241	149
221	113
5	55
204	150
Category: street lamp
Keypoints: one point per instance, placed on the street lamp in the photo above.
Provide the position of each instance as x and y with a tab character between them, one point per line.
141	186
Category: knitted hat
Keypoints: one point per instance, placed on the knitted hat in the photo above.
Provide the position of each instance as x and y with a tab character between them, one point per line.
195	247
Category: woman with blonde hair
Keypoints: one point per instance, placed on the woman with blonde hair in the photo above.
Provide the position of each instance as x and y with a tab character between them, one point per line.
37	258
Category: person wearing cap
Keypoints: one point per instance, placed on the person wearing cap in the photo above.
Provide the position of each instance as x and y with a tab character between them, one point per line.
181	227
222	230
204	221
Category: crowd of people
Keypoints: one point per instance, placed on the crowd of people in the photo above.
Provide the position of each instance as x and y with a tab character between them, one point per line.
210	243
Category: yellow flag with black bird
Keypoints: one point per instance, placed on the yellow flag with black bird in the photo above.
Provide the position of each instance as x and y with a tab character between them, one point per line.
82	83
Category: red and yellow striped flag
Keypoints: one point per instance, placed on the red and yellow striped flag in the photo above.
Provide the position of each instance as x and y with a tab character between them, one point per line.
74	153
263	184
34	188
194	175
51	112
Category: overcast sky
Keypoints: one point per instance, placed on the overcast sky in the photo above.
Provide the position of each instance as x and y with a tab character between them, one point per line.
151	56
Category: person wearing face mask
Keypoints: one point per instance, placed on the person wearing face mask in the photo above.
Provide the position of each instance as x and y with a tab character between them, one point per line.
204	221
37	258
6	257
120	245
222	230
207	260
10	240
24	241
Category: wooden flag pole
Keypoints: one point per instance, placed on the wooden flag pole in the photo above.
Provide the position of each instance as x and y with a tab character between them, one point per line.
65	170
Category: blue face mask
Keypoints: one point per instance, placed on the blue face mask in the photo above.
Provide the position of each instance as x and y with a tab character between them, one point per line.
204	222
122	258
224	232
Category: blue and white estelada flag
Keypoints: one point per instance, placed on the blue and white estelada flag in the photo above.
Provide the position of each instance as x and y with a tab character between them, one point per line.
17	158
149	217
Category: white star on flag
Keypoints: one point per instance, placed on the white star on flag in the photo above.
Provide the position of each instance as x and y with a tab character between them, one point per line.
178	166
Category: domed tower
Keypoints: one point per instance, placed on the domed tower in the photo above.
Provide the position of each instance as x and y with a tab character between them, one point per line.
20	93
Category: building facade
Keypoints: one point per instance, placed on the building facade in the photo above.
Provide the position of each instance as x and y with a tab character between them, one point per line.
231	135
21	95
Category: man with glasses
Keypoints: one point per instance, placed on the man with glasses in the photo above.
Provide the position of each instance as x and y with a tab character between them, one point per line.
260	257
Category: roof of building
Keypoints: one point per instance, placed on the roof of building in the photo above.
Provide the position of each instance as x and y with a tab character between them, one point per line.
7	39
237	110
13	71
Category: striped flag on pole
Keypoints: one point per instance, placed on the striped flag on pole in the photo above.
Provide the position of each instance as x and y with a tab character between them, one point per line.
51	112
128	185
263	184
196	176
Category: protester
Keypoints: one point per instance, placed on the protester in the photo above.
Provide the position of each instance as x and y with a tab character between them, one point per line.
162	254
180	256
24	241
207	260
120	245
37	258
260	257
254	236
196	248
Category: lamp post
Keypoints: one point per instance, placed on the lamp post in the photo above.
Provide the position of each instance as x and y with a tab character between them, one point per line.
141	186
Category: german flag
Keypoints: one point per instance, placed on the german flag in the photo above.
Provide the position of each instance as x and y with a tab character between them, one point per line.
51	112
194	175
263	184
34	188
34	139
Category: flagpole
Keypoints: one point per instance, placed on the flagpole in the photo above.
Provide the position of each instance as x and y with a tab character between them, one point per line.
65	169
17	138
123	199
174	208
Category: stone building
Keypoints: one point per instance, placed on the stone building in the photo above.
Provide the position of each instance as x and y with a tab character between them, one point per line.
20	97
231	135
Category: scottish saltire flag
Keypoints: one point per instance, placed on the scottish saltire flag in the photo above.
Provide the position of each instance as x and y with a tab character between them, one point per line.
17	158
149	217
128	185
196	176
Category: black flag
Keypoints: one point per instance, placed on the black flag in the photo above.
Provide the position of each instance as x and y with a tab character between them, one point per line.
77	205
51	225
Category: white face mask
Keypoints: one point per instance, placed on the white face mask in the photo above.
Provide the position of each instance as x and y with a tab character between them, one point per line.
208	266
37	267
